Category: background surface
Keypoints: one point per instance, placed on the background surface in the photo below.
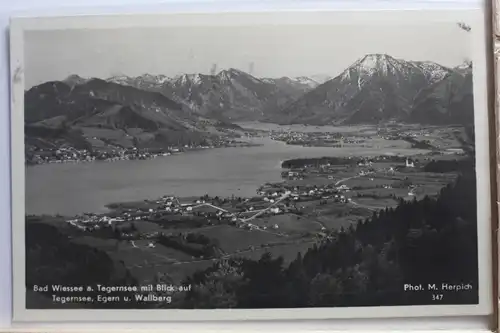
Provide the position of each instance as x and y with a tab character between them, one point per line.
10	8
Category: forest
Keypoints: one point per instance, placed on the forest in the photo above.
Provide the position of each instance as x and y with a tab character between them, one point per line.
443	166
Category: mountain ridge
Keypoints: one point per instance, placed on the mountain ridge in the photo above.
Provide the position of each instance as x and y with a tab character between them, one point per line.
375	88
230	94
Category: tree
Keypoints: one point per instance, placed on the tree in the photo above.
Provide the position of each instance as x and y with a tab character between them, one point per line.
325	290
265	279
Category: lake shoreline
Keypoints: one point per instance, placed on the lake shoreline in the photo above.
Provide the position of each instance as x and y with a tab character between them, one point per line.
74	188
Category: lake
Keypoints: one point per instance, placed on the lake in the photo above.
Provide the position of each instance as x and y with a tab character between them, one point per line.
74	188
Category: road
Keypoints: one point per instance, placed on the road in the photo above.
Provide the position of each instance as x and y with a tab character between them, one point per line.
283	197
346	179
213	206
257	214
245	221
353	202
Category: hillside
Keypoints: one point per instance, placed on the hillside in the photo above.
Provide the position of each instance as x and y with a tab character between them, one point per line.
98	114
447	101
375	88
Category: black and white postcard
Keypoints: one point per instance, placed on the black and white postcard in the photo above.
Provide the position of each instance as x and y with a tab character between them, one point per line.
280	165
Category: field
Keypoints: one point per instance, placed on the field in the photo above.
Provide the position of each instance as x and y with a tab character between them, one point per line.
233	239
142	261
289	251
290	223
99	137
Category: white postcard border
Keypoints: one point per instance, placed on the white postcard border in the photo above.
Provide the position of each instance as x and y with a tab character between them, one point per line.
20	25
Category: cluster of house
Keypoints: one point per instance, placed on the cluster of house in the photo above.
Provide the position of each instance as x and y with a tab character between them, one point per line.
416	133
367	165
170	205
325	192
251	227
269	203
59	155
293	175
70	154
291	137
396	134
90	222
73	155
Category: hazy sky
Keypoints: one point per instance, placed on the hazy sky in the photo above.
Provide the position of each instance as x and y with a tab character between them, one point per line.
275	51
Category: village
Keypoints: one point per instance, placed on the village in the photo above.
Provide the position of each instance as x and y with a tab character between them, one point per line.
67	154
310	190
315	139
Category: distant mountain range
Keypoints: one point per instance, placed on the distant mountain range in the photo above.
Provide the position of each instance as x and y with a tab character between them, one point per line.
231	94
151	110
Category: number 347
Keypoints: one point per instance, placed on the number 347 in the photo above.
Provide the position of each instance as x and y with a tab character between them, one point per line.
437	297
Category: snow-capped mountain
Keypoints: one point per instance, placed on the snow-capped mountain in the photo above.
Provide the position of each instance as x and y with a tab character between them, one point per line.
230	94
376	87
294	86
432	71
448	101
464	68
307	81
145	81
383	65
